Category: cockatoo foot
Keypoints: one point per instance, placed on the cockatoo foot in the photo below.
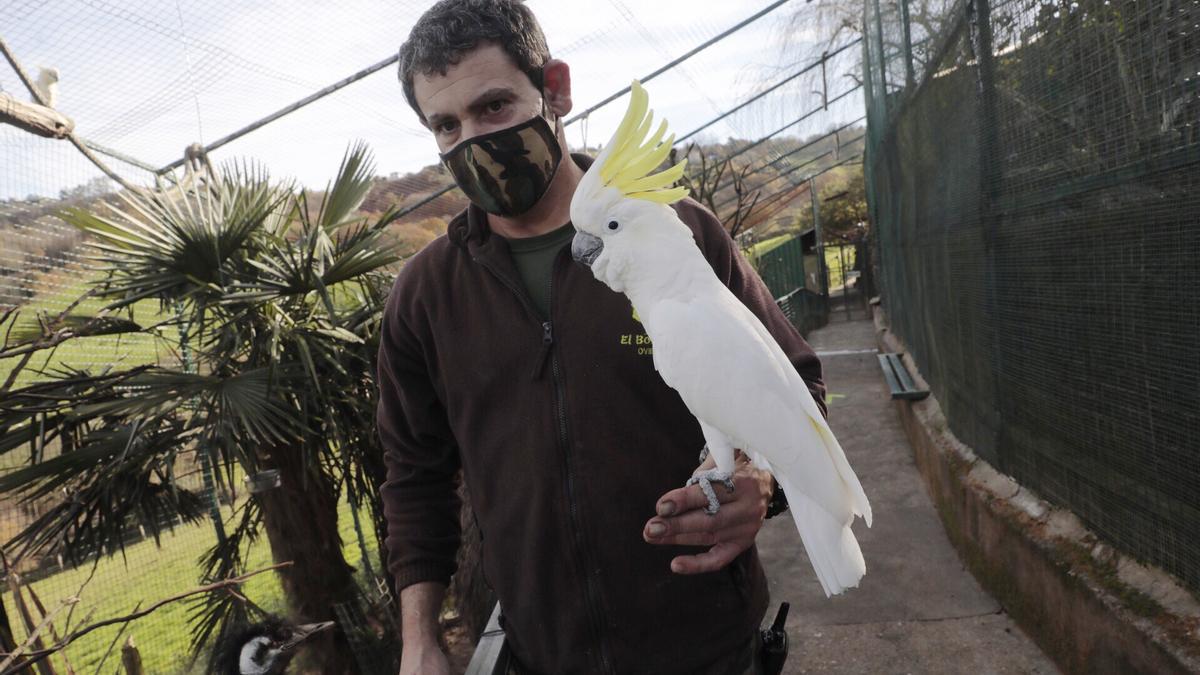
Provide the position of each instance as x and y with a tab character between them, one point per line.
705	479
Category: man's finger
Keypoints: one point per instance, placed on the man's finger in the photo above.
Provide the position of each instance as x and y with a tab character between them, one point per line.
711	560
691	497
732	514
740	532
693	539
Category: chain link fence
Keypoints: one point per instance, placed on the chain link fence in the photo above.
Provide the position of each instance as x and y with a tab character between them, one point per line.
1032	170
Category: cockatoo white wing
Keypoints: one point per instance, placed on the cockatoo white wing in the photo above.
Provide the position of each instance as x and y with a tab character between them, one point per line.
734	377
862	507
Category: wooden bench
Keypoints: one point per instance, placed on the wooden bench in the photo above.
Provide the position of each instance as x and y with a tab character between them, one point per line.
898	379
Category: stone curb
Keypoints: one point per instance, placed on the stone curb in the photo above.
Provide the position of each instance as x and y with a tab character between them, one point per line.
1090	608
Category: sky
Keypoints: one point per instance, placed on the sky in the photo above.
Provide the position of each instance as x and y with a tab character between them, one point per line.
148	78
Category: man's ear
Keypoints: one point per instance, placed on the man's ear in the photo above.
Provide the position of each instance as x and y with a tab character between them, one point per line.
556	78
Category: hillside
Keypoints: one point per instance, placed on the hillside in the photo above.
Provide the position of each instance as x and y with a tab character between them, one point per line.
36	246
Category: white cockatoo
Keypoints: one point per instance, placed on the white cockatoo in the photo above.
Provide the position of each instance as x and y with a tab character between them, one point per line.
47	84
710	348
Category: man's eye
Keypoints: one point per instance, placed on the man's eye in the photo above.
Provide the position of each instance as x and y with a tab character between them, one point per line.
495	106
446	127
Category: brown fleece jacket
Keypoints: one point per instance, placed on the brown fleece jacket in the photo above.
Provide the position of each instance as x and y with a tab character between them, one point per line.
567	436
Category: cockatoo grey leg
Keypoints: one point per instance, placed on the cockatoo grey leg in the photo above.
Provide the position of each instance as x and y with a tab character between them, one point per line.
718	444
704	453
705	479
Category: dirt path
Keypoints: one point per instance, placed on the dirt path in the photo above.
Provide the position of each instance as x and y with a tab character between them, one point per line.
917	610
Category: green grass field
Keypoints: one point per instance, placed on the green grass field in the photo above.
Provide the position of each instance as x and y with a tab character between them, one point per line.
150	573
835	262
147	572
59	289
767	245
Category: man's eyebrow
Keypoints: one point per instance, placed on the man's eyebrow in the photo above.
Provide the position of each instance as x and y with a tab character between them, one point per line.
489	95
480	101
437	118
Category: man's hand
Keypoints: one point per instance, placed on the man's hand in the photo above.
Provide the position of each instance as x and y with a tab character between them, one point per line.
682	520
423	659
419	607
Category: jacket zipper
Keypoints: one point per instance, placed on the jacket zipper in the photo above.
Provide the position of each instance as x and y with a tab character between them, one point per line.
560	410
560	405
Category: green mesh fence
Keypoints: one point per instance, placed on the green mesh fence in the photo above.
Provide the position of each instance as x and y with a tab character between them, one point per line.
1032	171
790	272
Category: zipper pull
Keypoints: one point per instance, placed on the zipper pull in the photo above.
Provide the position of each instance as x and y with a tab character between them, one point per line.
547	341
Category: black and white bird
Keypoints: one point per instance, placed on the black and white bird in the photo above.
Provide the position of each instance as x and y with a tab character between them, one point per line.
264	648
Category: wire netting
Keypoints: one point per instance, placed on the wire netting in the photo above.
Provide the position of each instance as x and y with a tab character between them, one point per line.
142	81
1033	181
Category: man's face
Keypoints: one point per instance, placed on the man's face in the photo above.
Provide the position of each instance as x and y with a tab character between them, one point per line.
484	92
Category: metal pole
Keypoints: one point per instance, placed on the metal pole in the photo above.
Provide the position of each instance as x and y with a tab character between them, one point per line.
845	284
772	88
801	166
910	77
206	468
814	141
115	154
794	122
868	86
882	56
979	16
745	22
288	109
723	185
821	266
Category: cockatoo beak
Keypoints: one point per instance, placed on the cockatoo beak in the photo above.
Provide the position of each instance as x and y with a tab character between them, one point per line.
585	248
303	632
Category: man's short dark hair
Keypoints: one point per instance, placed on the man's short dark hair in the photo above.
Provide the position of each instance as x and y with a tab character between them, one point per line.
451	28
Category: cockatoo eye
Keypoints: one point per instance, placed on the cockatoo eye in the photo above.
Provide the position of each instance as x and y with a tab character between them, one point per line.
614	225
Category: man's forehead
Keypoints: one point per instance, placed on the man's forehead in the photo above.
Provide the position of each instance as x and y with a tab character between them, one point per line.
486	67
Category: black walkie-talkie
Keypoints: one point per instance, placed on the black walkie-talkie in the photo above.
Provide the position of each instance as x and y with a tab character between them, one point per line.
775	643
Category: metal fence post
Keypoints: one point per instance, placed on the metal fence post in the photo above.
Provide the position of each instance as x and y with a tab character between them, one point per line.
206	467
883	95
910	77
979	15
823	269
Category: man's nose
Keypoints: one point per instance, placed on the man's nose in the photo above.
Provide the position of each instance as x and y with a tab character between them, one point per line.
470	130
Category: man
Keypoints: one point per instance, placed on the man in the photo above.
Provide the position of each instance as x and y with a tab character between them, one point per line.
503	357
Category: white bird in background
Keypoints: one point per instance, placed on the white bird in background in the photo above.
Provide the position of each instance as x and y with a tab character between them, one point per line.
47	85
709	347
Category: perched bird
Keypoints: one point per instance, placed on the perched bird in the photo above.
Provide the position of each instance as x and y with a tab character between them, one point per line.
264	648
47	85
709	347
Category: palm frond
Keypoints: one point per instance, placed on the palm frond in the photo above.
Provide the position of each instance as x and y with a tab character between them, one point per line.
349	188
117	483
167	246
215	616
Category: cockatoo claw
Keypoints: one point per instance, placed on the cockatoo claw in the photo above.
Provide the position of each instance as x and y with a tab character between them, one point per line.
705	479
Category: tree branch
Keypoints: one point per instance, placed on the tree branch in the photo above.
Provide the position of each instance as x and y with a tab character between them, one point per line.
36	656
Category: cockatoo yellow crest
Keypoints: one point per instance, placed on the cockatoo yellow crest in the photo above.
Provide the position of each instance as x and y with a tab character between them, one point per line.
630	156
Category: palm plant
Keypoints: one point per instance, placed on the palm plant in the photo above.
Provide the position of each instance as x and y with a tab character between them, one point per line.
276	307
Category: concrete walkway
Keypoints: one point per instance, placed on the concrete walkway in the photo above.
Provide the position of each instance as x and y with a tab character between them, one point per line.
918	610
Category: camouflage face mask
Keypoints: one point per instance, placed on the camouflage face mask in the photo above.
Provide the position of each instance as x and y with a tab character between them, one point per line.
506	172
